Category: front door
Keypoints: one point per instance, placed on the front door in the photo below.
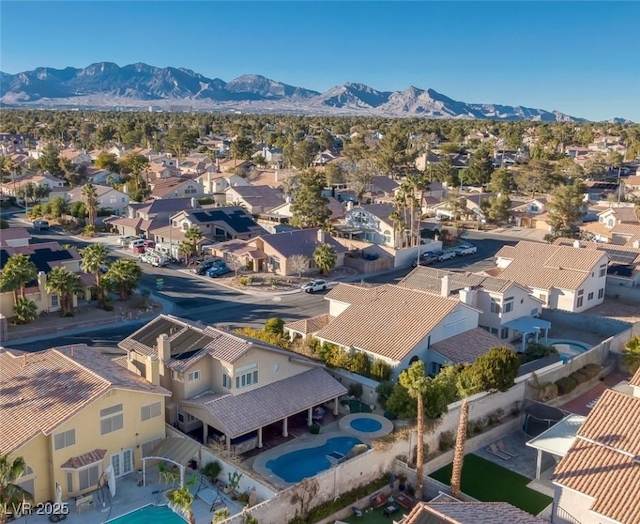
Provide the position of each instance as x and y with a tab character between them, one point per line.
122	462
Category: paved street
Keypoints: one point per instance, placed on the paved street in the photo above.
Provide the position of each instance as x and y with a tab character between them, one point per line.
201	298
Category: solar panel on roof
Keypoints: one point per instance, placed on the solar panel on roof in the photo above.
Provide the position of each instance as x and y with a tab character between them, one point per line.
237	219
620	270
621	257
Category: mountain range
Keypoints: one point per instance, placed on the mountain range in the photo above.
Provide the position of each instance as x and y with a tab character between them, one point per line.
105	85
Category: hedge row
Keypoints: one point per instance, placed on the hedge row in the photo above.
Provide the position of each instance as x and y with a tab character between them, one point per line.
568	384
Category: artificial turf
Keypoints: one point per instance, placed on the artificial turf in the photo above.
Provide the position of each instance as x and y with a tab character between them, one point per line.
488	482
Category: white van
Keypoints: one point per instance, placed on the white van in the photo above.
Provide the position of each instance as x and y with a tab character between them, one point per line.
136	243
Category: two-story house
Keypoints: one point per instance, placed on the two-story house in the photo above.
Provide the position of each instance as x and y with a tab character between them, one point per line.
217	223
568	278
531	214
13	188
175	188
227	386
70	412
508	310
372	223
255	199
45	257
107	198
399	325
77	158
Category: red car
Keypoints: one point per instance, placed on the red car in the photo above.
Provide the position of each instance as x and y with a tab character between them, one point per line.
149	243
139	249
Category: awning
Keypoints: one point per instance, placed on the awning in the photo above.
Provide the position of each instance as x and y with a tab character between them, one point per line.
558	438
176	450
236	415
528	324
85	460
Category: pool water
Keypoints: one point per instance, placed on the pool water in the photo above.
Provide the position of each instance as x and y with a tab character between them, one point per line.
150	513
568	349
366	425
303	463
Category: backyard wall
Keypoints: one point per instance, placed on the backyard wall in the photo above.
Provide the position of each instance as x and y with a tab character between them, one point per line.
628	294
368	266
586	322
346	378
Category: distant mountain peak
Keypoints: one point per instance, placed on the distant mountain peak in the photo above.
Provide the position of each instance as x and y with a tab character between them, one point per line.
105	84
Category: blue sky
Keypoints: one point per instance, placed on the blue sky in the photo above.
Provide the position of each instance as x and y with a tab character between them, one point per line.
581	58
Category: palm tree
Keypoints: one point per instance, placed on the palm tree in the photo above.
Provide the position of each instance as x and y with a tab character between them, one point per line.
90	193
17	272
66	284
193	235
25	311
94	258
126	274
458	455
415	382
631	355
11	495
184	248
183	500
325	258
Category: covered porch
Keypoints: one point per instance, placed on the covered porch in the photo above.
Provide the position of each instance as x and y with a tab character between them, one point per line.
530	326
177	451
244	417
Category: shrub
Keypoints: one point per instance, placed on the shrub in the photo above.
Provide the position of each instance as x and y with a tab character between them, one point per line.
384	391
246	281
566	385
591	370
359	363
515	410
212	470
314	429
446	441
356	450
380	370
89	231
579	377
355	390
476	426
495	417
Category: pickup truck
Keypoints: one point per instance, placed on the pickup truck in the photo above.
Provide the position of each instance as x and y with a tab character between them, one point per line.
446	255
466	250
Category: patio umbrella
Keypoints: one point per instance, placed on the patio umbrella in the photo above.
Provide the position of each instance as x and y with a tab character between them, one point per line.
111	479
58	503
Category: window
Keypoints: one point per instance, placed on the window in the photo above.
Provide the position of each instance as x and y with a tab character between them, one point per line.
504	333
111	419
275	263
147	447
247	376
494	331
543	297
27	480
190	190
579	302
55	301
69	481
495	306
580	292
590	296
64	439
603	270
177	376
150	411
194	376
600	293
508	304
226	379
88	477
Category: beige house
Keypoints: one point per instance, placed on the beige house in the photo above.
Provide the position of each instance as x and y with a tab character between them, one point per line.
227	387
108	198
255	199
45	256
175	188
73	412
217	223
598	479
15	237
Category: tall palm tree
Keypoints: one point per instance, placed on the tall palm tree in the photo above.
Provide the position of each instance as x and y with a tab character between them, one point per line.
126	274
183	500
325	258
11	495
17	272
193	235
94	258
631	355
90	193
416	382
458	455
66	284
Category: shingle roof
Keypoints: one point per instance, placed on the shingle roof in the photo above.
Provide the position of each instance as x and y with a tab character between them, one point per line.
466	347
300	242
386	320
544	266
13	233
469	513
41	390
267	404
603	461
309	325
429	280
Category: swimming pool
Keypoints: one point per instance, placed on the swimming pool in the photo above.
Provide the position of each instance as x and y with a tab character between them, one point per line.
150	513
308	462
366	425
567	349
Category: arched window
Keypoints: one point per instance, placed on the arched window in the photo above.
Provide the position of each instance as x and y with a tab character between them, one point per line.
27	471
27	480
414	358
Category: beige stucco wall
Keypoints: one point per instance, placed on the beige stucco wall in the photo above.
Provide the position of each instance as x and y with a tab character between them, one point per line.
36	454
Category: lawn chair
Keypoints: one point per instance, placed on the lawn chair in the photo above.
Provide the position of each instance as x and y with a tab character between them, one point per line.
379	500
493	449
404	501
357	512
503	449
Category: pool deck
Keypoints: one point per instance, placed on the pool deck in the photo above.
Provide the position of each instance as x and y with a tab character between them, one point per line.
130	497
345	425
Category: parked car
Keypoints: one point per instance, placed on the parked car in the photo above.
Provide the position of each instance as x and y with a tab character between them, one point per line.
139	248
137	243
314	285
426	259
125	241
205	265
446	255
465	250
41	224
218	270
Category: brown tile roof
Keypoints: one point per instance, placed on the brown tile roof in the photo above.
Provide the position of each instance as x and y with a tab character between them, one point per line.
267	404
300	242
386	320
309	325
544	266
84	460
469	513
466	347
603	461
429	280
635	380
13	233
613	250
162	187
384	184
41	390
263	196
381	211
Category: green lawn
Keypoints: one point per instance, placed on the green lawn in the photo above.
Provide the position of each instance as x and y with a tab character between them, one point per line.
488	482
375	516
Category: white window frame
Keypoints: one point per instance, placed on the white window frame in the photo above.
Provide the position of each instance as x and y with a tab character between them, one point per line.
601	293
151	411
247	376
147	447
55	301
227	380
69	439
115	419
508	305
194	376
87	469
495	306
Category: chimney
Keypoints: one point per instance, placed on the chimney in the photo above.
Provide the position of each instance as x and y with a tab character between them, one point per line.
194	203
349	205
321	236
72	352
164	348
636	244
576	243
445	286
153	370
467	296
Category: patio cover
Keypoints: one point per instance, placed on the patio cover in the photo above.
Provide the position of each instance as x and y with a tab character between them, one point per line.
178	451
237	415
526	325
